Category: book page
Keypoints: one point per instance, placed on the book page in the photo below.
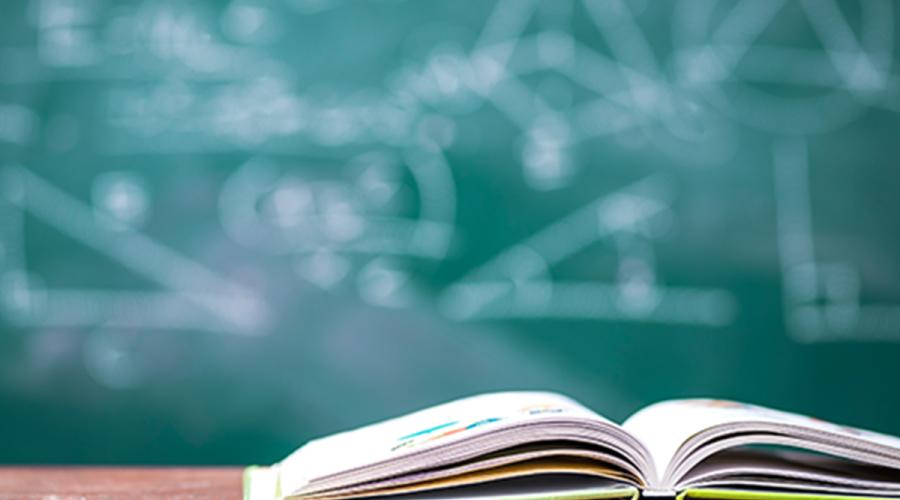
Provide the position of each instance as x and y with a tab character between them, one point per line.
261	483
803	470
417	432
664	427
565	473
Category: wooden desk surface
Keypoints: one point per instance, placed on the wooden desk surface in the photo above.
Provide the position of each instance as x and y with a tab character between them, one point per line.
94	483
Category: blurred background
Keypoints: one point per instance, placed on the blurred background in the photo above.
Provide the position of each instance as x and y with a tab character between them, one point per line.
227	227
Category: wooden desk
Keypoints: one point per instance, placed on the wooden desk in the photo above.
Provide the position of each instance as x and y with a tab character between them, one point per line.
95	483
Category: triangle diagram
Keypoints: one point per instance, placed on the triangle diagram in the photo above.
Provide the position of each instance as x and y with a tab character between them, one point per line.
190	296
519	282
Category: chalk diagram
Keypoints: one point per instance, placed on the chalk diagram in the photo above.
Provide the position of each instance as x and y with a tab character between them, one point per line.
821	299
732	57
628	93
191	296
350	224
519	282
381	193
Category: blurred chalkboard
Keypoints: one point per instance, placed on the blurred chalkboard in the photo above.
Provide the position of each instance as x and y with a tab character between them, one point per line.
228	227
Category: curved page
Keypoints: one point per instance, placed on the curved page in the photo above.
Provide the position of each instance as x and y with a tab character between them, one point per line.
423	436
671	430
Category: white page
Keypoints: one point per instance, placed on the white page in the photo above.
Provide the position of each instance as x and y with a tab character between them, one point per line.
665	426
426	429
814	469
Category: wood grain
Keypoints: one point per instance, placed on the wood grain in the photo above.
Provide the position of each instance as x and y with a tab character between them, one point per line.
95	483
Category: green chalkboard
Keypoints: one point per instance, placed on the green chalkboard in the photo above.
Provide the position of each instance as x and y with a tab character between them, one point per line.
229	227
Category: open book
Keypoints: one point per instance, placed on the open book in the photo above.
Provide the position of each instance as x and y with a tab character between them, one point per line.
539	445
